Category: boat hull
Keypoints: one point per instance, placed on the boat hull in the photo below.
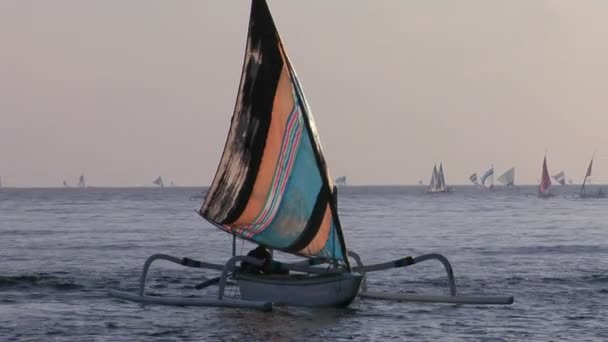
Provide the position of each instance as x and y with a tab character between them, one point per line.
332	289
439	192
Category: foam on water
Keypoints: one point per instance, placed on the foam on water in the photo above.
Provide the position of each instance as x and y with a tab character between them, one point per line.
62	249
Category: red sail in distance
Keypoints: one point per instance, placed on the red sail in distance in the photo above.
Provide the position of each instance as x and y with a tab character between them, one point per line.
545	182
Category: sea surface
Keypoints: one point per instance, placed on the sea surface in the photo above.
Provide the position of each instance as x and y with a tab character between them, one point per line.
61	250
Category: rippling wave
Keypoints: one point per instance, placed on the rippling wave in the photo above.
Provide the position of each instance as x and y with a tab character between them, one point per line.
61	250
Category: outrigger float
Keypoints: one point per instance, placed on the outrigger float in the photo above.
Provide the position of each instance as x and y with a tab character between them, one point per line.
273	188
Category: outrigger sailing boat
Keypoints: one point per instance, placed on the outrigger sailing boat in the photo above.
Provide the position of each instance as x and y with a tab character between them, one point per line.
81	183
599	194
341	181
560	177
486	175
545	182
508	178
272	187
159	181
437	183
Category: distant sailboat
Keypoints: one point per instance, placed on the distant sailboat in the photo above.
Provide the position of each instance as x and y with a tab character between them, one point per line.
341	181
599	194
159	181
420	182
437	183
172	184
0	182
65	184
488	174
560	177
508	178
545	182
81	182
473	179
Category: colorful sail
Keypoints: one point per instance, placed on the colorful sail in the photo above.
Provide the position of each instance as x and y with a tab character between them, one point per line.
507	178
272	185
486	175
545	181
473	178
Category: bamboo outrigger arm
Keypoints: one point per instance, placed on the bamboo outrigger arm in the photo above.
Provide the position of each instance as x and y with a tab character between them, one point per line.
408	261
226	269
181	261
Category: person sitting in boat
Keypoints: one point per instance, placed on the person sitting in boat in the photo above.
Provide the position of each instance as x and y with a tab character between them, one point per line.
268	267
260	252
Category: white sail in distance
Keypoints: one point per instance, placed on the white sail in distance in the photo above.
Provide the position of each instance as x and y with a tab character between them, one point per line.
486	175
81	182
507	178
441	179
434	181
560	177
159	181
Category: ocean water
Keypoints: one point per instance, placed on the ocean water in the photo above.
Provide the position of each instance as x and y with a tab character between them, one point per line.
61	250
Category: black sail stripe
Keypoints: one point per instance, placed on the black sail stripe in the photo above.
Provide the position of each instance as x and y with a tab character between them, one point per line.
314	223
258	95
321	164
251	120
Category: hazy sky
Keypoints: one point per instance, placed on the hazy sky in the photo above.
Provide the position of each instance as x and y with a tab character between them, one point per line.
129	90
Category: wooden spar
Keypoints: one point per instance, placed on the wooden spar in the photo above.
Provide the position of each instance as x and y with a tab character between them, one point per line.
452	298
189	301
406	297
